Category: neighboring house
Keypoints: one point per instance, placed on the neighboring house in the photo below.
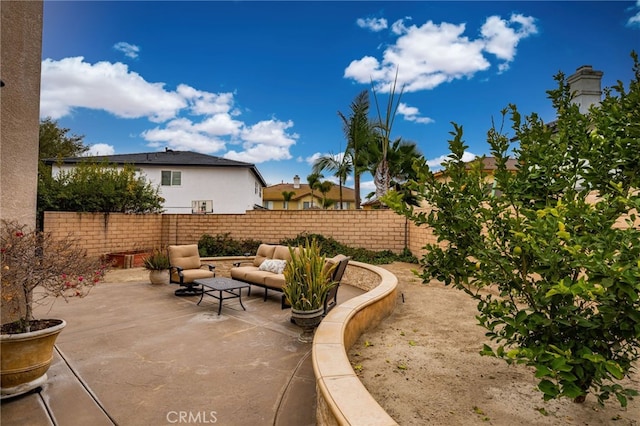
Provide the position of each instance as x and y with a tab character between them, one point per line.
189	182
301	199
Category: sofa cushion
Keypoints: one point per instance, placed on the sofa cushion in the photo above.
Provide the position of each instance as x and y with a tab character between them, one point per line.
240	272
265	251
281	252
274	281
257	277
273	265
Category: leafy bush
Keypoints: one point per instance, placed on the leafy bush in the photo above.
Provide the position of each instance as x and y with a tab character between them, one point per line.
330	247
224	245
120	190
560	244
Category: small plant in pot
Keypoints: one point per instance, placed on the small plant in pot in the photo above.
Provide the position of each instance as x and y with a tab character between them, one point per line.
158	265
36	267
307	284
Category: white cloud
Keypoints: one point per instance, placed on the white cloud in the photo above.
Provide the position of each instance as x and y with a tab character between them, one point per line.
373	24
181	134
100	149
634	21
187	118
129	50
501	39
431	54
436	163
412	114
73	83
264	141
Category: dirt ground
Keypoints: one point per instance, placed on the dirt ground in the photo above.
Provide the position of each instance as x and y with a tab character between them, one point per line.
423	366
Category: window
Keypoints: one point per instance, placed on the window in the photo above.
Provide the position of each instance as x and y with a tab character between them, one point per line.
171	178
202	206
269	205
285	205
306	205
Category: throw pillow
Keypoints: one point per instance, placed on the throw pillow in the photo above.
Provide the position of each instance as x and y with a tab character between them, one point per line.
273	265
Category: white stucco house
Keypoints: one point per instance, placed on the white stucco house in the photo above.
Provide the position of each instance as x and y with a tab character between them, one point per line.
190	182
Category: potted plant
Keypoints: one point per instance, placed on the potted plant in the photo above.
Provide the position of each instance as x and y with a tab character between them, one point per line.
307	283
36	266
158	265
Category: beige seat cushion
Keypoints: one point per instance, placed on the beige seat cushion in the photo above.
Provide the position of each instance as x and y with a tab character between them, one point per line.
240	272
190	275
257	277
274	281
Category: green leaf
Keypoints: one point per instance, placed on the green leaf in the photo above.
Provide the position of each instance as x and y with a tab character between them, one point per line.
614	369
548	388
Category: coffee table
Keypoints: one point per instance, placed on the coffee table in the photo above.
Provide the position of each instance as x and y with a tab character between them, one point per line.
220	285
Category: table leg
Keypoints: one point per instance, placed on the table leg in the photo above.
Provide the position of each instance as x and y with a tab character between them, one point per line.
220	303
201	295
240	298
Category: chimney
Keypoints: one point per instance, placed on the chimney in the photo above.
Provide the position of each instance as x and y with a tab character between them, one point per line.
296	182
584	85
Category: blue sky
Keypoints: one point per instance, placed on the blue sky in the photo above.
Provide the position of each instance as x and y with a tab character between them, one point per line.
262	82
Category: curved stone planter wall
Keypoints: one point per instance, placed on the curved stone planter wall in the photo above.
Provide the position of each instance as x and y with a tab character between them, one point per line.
342	398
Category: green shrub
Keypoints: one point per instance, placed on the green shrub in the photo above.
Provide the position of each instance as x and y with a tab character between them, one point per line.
330	247
560	245
224	245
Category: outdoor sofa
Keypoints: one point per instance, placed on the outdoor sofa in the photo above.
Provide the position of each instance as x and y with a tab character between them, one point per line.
266	271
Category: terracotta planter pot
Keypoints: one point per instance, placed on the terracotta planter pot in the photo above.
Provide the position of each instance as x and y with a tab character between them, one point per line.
26	357
159	277
308	321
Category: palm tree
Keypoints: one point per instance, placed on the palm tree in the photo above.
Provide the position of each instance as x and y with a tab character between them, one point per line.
287	196
324	188
381	173
358	132
340	164
313	179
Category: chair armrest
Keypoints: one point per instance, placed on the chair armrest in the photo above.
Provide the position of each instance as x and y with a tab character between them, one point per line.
211	267
177	268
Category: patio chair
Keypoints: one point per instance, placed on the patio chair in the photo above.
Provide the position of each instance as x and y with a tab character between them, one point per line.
338	272
186	267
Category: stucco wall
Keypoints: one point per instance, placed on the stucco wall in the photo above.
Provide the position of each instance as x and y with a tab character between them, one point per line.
20	56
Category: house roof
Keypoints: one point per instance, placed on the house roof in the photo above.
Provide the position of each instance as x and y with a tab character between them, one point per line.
488	164
274	192
162	158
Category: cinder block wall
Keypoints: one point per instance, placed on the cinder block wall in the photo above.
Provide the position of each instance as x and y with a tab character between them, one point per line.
101	233
108	233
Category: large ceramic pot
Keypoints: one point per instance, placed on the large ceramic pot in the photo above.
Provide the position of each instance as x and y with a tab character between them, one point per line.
26	357
159	276
308	321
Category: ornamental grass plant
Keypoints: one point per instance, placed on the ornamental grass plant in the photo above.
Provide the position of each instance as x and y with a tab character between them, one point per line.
307	279
158	260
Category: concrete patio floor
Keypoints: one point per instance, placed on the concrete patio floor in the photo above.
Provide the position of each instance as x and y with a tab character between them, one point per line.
133	353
